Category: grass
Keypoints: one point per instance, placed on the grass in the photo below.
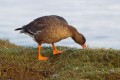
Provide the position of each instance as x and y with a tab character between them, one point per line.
20	63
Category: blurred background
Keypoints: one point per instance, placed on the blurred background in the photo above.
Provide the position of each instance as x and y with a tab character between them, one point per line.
97	20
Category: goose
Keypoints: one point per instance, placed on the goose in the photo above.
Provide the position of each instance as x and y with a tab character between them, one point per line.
51	29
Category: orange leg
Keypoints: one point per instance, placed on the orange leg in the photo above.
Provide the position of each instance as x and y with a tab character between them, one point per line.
55	51
40	57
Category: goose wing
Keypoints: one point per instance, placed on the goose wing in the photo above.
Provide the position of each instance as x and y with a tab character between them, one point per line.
42	22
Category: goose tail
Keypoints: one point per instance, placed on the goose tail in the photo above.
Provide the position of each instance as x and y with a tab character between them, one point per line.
18	29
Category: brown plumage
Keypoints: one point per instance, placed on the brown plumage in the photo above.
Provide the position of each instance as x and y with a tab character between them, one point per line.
51	29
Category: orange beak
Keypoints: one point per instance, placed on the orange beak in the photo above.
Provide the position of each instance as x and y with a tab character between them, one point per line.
84	46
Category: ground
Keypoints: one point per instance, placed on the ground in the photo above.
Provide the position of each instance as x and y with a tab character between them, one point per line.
20	63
